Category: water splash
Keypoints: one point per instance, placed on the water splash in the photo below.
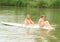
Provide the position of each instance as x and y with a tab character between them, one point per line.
17	34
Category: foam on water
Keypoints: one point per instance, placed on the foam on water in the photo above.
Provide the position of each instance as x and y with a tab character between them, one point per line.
14	34
18	34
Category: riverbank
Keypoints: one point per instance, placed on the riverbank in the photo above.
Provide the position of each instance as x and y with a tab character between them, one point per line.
31	3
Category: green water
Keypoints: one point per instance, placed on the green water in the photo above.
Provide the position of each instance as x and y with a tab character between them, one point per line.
17	15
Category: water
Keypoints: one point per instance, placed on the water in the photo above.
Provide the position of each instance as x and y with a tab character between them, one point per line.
17	34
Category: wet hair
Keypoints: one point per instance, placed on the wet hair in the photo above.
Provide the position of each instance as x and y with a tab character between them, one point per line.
43	16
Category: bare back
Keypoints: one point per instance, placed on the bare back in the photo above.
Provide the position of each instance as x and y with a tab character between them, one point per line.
41	22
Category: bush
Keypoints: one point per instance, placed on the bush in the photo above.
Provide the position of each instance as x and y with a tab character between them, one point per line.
43	4
55	4
22	3
8	2
33	3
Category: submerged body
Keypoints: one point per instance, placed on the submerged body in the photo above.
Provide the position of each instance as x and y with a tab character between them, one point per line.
42	23
45	24
28	21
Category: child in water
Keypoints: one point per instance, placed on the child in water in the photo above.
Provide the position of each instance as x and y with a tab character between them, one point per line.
28	20
42	23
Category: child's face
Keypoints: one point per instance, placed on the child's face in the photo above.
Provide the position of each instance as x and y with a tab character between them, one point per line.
28	17
43	17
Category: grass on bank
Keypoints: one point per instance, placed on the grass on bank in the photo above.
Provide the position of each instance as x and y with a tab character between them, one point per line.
31	3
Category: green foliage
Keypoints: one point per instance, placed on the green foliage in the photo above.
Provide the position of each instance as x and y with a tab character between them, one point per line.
31	3
8	2
56	4
43	4
22	3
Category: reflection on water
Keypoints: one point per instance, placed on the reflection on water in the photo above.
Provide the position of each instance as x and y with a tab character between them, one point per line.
17	34
10	16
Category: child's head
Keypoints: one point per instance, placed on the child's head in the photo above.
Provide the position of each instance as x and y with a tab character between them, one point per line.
28	16
43	16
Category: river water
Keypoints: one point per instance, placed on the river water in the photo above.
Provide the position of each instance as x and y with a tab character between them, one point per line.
18	34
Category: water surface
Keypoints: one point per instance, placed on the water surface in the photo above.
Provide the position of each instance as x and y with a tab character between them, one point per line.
17	15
